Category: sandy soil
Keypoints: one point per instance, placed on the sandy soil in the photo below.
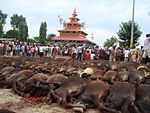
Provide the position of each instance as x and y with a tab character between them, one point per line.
10	100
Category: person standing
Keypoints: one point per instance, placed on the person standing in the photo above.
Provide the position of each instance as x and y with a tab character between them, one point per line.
134	54
80	52
33	50
126	54
41	51
54	51
112	54
18	48
4	48
1	49
146	47
74	52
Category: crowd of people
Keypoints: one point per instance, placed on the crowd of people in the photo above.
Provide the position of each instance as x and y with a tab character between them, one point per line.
79	52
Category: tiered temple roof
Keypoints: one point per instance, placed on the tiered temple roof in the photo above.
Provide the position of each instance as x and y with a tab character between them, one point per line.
72	31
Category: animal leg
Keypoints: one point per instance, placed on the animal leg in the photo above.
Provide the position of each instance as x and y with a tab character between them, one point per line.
65	103
127	103
16	89
56	97
102	107
135	108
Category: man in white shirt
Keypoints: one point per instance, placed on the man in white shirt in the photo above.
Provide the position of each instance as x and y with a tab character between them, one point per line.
41	50
146	48
126	54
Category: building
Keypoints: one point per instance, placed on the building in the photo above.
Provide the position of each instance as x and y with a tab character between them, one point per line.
72	32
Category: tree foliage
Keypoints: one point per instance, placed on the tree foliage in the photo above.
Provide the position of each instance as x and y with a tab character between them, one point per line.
110	42
23	32
26	32
3	18
42	32
19	23
30	40
50	37
36	39
12	34
125	33
16	20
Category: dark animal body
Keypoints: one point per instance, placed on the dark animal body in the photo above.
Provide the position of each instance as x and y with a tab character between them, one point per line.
94	96
143	98
71	88
122	95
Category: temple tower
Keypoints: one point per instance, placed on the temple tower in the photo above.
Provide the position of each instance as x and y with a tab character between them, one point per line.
72	32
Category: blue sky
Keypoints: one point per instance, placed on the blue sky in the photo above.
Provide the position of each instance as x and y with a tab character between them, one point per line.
102	17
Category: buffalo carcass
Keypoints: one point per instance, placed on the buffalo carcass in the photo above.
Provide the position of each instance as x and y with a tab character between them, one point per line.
56	80
136	76
87	73
122	76
97	74
143	99
147	80
94	96
145	69
18	80
121	97
109	76
5	72
70	89
36	85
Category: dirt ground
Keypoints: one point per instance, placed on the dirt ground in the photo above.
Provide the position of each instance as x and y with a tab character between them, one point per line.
9	100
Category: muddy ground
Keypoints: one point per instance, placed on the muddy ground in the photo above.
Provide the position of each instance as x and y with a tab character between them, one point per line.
10	100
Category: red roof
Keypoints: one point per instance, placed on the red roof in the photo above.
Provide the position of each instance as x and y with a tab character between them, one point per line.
70	29
73	38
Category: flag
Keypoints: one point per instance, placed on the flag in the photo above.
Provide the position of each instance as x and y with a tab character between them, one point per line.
64	23
92	36
83	25
131	43
149	13
60	20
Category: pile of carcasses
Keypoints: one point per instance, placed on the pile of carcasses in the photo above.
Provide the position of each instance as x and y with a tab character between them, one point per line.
112	87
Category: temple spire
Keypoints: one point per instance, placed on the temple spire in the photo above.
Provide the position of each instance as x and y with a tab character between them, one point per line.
74	13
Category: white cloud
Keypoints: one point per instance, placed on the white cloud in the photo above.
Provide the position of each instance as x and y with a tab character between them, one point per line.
100	35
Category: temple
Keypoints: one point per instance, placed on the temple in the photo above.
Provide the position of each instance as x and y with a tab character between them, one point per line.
72	32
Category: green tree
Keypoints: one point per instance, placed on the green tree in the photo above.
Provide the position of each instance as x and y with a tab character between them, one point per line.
22	31
30	40
111	42
36	39
16	20
19	23
125	33
42	32
12	34
3	18
50	37
26	32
